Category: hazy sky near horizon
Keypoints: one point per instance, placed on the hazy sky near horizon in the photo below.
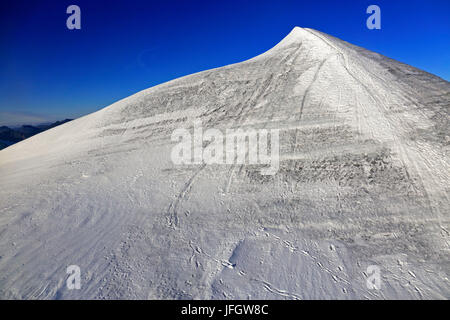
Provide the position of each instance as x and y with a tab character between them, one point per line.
48	72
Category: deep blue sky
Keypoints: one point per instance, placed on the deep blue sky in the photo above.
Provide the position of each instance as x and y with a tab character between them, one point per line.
48	72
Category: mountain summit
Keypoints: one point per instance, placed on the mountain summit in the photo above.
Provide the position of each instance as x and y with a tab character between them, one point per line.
363	185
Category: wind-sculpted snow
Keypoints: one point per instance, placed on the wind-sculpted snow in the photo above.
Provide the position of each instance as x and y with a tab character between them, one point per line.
363	180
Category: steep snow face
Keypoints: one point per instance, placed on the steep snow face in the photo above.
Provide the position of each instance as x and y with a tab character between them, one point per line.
363	181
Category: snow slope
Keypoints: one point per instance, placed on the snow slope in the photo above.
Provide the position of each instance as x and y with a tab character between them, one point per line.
363	180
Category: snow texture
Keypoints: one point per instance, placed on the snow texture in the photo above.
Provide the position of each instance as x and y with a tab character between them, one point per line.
363	180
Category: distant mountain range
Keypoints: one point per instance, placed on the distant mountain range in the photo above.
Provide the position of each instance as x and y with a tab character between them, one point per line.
9	136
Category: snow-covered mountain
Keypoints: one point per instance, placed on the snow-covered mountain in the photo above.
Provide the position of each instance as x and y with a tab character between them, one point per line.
363	181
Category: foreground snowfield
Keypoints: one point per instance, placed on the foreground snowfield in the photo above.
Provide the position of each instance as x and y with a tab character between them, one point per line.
363	180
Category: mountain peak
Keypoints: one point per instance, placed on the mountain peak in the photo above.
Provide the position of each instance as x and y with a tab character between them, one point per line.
299	35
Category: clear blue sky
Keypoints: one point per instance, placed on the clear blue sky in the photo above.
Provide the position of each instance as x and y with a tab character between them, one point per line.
48	72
